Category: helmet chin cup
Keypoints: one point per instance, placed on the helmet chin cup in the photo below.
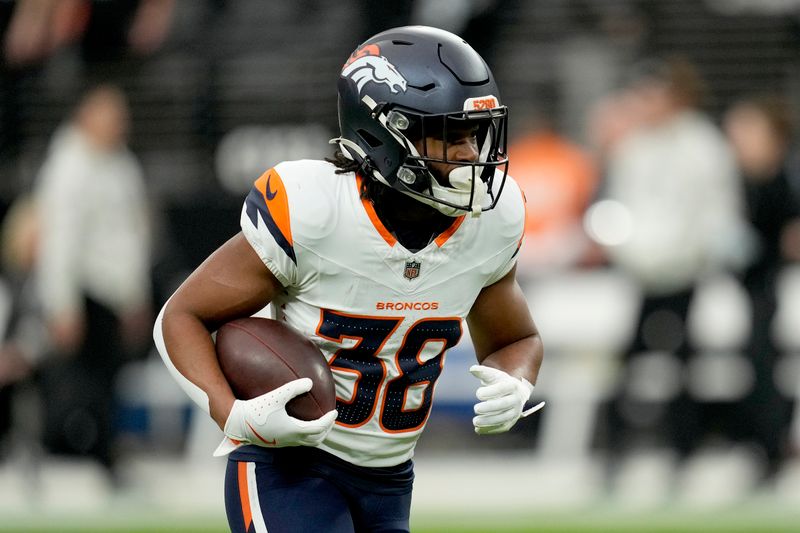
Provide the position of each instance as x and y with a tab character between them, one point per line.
464	184
452	201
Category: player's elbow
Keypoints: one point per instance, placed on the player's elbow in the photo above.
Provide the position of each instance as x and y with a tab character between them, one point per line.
174	356
537	351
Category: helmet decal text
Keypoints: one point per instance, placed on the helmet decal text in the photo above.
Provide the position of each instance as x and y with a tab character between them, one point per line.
366	65
481	103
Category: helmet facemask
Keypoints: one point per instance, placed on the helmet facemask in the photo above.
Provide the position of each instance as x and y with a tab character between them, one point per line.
469	187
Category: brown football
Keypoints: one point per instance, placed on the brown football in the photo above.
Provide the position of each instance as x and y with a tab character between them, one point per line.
258	355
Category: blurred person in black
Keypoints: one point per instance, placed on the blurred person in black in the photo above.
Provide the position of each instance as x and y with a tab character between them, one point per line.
92	272
760	130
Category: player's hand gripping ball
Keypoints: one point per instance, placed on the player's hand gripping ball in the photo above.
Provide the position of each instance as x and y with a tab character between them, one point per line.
283	385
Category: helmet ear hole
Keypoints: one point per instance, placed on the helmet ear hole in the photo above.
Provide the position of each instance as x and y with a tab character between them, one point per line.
369	138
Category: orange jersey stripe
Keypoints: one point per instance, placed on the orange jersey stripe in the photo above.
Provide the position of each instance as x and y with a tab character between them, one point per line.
373	216
244	495
446	234
271	188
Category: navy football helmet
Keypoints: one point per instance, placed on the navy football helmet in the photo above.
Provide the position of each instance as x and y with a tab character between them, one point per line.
413	82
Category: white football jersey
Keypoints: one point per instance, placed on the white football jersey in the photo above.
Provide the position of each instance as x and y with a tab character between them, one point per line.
383	316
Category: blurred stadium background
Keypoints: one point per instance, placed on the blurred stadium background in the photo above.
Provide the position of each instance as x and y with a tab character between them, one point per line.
221	90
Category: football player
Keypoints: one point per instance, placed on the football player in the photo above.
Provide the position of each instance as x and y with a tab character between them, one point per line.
378	255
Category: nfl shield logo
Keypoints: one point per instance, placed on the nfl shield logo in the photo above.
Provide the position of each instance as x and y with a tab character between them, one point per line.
412	270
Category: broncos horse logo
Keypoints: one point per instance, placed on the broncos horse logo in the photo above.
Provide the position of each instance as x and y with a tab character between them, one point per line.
367	65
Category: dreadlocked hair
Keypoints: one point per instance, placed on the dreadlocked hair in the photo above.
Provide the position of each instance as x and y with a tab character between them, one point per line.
343	164
370	188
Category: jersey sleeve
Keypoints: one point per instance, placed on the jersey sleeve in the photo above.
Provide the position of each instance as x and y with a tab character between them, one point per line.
512	214
505	267
266	225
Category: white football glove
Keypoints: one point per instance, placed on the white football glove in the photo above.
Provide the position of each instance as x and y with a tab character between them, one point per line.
264	421
502	399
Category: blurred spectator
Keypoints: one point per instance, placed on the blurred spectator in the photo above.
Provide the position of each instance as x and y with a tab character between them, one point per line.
61	46
39	28
599	40
559	180
672	182
611	119
22	337
92	271
760	131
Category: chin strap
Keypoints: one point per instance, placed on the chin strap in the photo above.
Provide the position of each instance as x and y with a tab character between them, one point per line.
459	194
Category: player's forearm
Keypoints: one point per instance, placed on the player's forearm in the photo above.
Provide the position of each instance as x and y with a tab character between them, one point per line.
521	359
188	351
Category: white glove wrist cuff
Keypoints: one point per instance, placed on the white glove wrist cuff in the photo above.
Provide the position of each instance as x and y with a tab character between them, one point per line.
528	386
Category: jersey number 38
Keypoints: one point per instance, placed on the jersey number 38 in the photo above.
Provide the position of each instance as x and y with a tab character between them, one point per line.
415	375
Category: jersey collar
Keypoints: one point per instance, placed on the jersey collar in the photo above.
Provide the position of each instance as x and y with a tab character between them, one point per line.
387	235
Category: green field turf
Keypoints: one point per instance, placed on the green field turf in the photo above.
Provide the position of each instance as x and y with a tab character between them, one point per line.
735	520
566	528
